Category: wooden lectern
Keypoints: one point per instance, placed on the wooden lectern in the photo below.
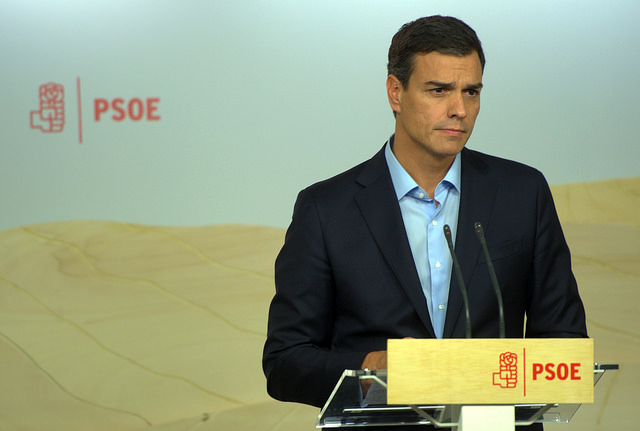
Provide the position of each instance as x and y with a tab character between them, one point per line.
468	385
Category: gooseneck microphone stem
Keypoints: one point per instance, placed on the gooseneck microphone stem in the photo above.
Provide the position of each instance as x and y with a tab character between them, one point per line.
492	274
458	271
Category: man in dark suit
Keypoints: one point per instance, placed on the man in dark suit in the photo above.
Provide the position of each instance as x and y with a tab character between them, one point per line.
365	258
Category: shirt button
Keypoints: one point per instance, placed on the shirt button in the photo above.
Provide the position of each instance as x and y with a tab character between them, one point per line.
434	222
441	306
438	265
421	195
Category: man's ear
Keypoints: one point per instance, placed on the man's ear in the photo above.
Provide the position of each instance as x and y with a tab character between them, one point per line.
394	92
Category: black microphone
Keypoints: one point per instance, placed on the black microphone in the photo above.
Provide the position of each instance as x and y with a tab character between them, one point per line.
492	274
463	289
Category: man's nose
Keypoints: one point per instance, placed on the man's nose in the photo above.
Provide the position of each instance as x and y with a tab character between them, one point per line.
456	106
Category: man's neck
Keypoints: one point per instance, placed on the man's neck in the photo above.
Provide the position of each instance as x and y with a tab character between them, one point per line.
426	169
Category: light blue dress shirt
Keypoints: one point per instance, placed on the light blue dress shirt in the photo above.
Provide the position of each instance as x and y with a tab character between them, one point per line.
423	221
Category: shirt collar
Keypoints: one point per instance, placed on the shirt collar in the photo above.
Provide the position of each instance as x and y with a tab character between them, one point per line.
402	181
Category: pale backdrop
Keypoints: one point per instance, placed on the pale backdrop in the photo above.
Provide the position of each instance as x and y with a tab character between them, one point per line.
258	99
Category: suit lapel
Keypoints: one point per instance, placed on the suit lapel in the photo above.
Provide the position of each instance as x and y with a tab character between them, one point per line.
380	210
477	199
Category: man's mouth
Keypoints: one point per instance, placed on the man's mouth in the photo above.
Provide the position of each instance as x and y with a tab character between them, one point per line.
452	131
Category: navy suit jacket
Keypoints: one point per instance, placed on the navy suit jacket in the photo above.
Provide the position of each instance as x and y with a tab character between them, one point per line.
346	280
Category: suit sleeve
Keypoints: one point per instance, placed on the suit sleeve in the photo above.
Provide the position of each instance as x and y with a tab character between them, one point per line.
555	308
298	360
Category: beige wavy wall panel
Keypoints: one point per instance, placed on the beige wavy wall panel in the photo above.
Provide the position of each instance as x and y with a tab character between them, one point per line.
112	326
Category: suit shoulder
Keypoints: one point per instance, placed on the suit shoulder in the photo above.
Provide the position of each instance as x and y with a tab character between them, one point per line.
352	179
493	165
340	180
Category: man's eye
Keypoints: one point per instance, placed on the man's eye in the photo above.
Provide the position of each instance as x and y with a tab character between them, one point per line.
437	90
473	92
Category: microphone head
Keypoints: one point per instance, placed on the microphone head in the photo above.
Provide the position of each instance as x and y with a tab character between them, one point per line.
480	233
446	229
447	237
478	228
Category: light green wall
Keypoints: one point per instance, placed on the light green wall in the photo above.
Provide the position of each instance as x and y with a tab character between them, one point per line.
258	99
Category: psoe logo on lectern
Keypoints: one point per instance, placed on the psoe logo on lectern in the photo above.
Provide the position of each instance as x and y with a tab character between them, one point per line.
49	117
507	377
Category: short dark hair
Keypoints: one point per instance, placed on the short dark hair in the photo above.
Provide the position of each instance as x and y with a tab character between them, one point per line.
443	34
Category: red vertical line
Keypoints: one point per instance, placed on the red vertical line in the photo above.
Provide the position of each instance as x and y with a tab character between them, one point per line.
79	111
524	369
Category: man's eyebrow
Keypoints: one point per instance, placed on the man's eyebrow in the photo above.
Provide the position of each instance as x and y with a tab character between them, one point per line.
439	84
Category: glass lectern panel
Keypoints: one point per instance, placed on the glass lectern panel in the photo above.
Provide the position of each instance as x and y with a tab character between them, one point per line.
350	406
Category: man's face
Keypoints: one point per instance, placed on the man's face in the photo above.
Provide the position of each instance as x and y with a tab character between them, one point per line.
436	111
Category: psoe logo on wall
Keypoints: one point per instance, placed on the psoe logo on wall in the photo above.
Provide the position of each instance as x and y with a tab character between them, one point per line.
49	117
